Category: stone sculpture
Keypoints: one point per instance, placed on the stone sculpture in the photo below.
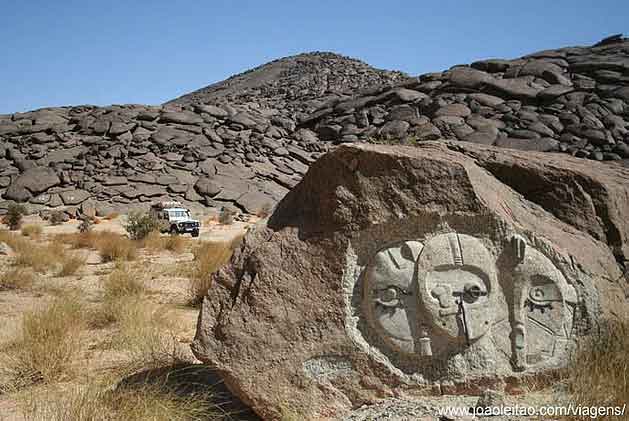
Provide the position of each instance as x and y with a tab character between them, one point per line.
393	272
435	299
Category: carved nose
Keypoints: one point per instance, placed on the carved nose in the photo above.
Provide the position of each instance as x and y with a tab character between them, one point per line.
443	293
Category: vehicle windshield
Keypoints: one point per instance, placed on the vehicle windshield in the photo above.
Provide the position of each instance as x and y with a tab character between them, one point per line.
179	213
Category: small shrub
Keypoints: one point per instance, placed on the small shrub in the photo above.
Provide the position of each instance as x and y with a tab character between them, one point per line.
86	225
57	217
208	258
226	217
70	264
32	230
48	344
139	225
14	216
115	247
17	279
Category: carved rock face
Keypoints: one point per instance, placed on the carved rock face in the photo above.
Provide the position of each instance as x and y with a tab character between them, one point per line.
390	294
390	271
436	299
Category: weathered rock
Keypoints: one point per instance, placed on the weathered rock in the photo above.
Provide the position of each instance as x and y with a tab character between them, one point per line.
356	286
205	186
32	182
183	117
74	197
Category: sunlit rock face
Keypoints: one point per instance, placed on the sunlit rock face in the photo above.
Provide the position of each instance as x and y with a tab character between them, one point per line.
394	270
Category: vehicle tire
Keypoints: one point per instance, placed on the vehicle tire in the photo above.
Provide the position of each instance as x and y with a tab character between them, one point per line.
173	230
195	233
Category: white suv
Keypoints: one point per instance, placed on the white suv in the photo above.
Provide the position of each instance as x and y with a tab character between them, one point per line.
175	219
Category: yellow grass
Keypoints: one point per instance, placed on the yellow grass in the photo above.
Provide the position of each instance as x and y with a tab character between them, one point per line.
48	345
121	289
97	401
598	375
154	241
17	279
40	258
146	336
13	240
111	246
32	230
122	282
208	258
70	264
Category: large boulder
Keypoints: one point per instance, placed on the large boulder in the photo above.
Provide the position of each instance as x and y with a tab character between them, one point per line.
394	271
32	182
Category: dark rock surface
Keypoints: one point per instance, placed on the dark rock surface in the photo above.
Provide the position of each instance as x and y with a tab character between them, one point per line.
251	138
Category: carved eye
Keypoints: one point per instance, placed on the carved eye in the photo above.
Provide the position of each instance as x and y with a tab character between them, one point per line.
390	297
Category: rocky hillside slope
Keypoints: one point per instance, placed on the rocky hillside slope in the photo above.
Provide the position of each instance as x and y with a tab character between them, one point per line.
246	141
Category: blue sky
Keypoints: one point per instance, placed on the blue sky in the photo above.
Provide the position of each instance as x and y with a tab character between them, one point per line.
103	52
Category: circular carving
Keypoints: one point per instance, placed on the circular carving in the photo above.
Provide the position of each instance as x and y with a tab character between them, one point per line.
388	294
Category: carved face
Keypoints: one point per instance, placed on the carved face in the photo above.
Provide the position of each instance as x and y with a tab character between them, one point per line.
455	268
542	310
390	295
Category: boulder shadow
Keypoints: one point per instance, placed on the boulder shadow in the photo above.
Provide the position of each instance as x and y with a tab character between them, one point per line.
188	380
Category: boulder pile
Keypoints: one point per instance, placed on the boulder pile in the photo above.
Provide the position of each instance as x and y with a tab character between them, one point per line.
245	142
234	144
573	100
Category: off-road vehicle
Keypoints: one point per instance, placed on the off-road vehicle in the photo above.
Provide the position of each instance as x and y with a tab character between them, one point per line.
174	218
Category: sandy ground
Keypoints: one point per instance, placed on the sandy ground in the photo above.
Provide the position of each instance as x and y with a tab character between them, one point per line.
167	288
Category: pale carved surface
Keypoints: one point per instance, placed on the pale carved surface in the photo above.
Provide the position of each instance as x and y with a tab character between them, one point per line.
438	298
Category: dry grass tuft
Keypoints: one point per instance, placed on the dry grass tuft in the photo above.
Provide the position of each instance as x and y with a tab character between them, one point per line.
33	231
70	264
111	246
598	375
17	279
146	336
96	401
40	258
154	241
15	241
47	347
124	281
121	290
208	258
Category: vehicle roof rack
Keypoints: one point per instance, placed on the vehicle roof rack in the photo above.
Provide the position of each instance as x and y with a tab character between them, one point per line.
167	204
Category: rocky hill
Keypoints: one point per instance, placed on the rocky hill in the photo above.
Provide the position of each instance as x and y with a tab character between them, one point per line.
296	85
246	141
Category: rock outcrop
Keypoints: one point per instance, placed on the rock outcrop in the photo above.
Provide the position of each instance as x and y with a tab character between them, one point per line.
246	141
444	268
571	100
